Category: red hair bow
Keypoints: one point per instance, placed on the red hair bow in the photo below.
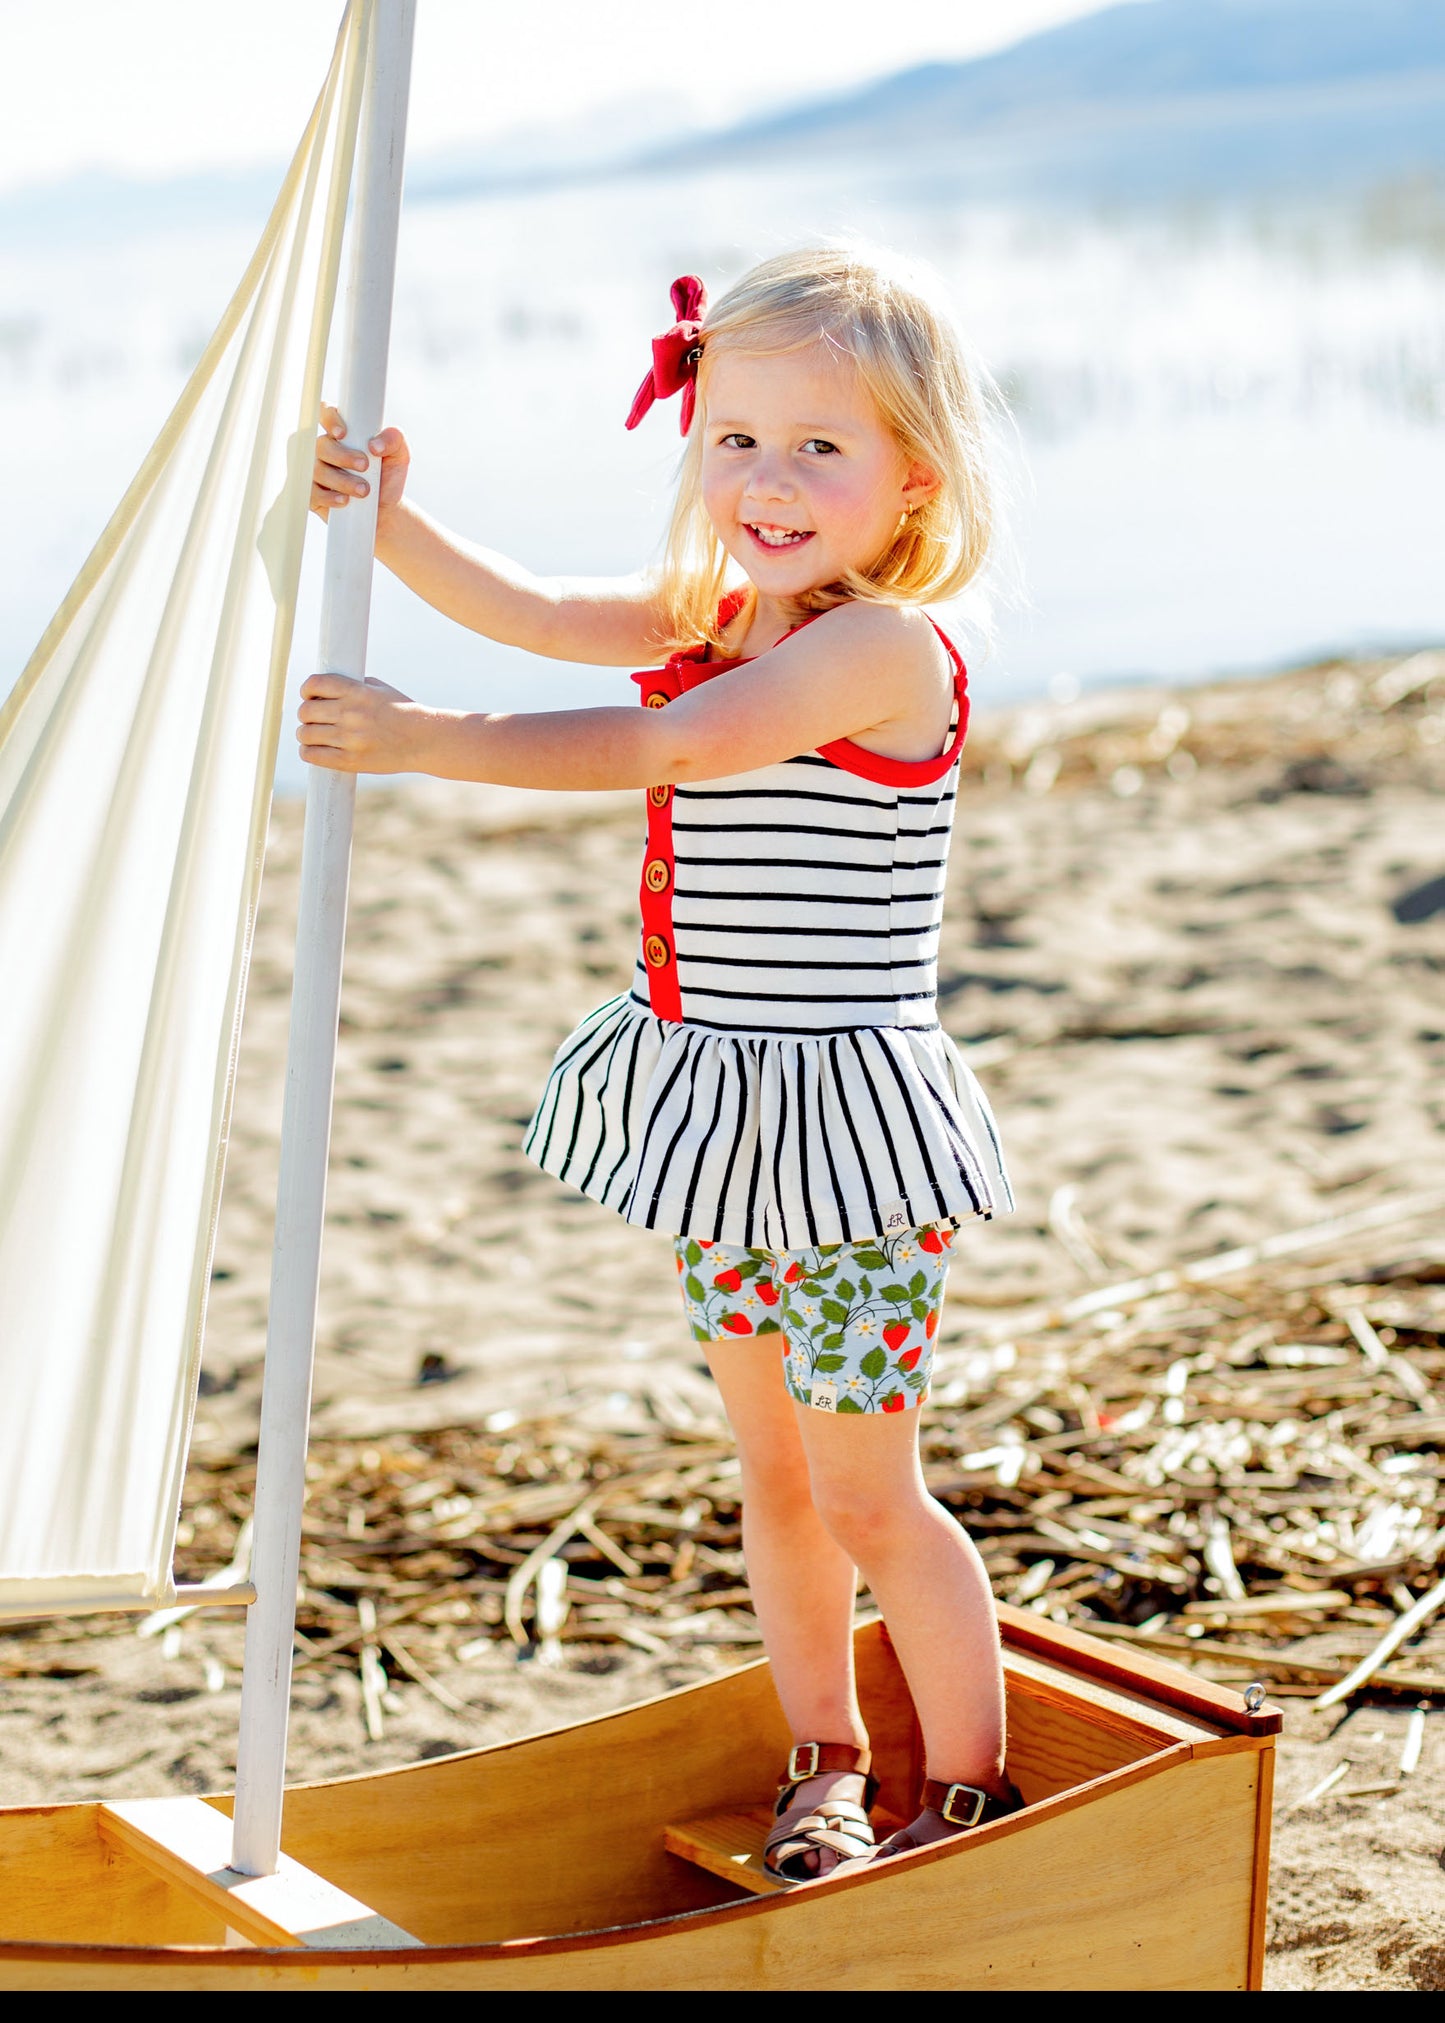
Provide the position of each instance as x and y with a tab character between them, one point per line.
675	354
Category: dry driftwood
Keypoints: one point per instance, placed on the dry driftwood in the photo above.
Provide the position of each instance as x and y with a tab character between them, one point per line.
1241	1478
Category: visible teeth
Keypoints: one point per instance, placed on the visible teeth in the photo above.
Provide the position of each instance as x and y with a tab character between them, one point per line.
778	537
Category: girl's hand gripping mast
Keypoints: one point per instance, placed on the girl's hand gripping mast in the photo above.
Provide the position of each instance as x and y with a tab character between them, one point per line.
316	992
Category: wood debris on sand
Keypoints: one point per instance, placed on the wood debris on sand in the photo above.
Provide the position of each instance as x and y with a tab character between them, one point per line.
1234	1464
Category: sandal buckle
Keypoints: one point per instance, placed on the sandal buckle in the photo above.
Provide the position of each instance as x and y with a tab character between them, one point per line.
977	1800
798	1767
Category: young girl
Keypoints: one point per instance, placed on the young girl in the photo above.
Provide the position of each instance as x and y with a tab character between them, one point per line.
775	1090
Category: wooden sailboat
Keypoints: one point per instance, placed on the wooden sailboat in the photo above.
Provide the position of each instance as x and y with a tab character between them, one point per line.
622	1852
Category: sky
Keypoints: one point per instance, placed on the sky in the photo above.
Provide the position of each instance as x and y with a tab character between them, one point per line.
156	88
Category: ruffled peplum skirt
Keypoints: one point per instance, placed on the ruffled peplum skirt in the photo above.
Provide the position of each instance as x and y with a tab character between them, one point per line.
766	1139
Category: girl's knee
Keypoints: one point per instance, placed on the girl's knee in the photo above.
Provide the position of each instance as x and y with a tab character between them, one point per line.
864	1517
775	1483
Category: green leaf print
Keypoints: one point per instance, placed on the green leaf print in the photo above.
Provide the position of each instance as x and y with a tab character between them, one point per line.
874	1363
918	1281
846	1289
847	1405
693	1255
749	1268
897	1293
919	1309
834	1311
835	1340
693	1287
870	1260
865	1286
825	1365
768	1328
829	1249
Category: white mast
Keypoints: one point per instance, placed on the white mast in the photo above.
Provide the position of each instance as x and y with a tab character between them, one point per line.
316	991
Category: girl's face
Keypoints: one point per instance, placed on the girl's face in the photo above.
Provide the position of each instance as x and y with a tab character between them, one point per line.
801	477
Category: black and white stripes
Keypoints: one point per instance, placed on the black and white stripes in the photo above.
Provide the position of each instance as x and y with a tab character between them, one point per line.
807	900
807	1095
766	1138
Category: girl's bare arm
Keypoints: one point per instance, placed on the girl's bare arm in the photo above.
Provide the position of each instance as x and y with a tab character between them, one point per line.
863	671
610	623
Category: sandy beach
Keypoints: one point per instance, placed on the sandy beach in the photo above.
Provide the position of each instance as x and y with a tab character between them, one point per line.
1196	945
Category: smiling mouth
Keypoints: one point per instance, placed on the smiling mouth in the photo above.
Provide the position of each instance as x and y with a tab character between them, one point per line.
778	538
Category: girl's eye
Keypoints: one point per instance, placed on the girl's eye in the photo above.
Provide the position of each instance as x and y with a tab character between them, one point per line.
737	442
821	448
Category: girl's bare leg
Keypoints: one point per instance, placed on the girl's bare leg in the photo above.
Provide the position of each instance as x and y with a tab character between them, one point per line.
802	1581
927	1578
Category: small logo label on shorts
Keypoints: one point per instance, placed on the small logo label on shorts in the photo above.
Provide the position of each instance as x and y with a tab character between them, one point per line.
824	1397
895	1219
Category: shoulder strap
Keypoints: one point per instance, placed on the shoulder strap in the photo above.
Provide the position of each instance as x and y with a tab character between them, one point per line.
886	772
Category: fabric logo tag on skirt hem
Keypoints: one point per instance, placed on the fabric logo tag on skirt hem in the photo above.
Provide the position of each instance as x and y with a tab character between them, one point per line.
823	1397
895	1218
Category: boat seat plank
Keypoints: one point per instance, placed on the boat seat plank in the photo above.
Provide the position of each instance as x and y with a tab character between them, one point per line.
730	1844
726	1844
189	1843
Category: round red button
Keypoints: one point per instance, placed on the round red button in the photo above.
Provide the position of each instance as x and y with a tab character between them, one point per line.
656	875
657	951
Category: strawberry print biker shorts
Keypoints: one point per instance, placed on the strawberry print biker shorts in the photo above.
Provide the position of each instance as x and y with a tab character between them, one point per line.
855	1322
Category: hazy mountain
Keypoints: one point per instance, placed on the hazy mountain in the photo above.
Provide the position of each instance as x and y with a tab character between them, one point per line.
1152	99
1127	56
1159	96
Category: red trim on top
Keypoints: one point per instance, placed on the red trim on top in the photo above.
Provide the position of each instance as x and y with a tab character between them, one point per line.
886	772
660	686
731	605
663	990
690	668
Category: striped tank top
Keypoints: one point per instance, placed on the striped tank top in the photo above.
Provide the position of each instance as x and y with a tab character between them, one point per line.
777	1075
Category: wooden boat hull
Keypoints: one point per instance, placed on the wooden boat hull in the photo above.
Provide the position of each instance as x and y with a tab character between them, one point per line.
1141	1860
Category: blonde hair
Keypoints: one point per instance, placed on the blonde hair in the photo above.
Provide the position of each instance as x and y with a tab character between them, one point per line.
910	359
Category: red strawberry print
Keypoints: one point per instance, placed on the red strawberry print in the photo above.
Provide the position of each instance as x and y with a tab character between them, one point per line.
948	1236
703	1242
896	1334
737	1324
680	1264
930	1325
793	1273
767	1292
908	1362
894	1402
729	1280
931	1241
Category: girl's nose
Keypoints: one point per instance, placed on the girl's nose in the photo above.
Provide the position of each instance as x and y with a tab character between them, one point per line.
770	480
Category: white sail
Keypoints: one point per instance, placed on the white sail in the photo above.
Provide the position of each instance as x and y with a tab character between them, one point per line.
136	755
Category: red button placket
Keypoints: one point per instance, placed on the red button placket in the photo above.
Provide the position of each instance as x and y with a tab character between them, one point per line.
659	953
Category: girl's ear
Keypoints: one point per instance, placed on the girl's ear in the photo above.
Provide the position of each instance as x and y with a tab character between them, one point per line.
919	485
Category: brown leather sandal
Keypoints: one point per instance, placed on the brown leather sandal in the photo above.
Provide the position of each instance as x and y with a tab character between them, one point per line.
960	1807
835	1824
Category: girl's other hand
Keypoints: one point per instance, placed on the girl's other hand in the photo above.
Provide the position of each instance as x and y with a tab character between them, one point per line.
339	474
352	726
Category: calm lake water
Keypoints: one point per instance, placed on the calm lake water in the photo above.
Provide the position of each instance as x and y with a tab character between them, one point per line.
1228	425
